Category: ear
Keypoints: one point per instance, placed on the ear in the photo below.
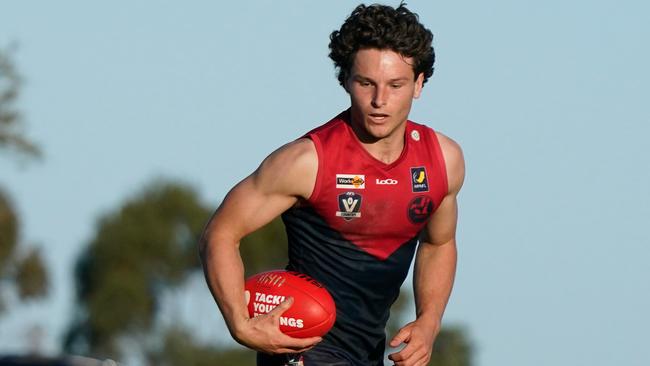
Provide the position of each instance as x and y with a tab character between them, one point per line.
417	88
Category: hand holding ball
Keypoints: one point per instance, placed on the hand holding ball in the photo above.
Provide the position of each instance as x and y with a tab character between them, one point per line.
313	311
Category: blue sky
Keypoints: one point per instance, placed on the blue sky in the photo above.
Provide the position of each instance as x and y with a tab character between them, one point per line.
547	99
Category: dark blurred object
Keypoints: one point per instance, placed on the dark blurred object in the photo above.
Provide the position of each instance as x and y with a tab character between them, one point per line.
53	361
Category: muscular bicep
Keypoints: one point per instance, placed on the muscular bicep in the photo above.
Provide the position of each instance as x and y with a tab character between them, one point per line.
284	177
441	227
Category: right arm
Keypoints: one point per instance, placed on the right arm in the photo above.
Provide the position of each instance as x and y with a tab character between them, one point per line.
284	177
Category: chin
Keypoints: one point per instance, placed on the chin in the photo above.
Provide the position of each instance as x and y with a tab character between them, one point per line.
378	132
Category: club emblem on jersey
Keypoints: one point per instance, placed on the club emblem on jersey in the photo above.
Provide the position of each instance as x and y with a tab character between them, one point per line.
349	206
420	209
415	135
419	181
351	181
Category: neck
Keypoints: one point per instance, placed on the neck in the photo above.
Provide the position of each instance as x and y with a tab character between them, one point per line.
385	149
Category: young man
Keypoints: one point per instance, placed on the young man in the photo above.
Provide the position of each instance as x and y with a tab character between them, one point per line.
356	194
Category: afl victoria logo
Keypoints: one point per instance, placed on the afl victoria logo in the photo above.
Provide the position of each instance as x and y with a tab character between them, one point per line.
420	209
349	206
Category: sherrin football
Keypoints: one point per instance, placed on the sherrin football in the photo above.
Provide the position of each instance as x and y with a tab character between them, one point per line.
313	311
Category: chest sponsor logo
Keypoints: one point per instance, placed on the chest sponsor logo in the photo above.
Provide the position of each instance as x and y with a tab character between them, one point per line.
420	208
387	181
419	181
349	206
351	181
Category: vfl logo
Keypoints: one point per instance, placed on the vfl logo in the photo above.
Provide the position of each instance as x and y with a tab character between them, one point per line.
420	209
351	181
349	206
419	181
386	181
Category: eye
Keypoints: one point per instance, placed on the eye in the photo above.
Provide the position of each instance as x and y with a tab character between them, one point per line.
364	83
396	86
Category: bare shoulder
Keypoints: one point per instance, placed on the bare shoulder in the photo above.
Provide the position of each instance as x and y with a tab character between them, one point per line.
291	169
454	160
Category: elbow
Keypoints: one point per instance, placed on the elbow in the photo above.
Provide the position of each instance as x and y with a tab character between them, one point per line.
203	246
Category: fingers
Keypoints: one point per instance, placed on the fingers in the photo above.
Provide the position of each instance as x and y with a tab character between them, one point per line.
290	344
280	309
271	340
417	351
298	345
410	356
404	354
401	337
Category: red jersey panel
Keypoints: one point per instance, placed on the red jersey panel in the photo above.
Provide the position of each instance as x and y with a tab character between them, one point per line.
374	205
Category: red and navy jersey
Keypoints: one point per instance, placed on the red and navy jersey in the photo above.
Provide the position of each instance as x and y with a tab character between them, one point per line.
358	232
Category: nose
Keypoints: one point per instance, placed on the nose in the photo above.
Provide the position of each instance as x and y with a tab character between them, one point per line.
380	96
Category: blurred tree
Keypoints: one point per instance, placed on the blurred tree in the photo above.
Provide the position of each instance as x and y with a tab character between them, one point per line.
451	348
140	250
19	267
265	249
11	123
179	349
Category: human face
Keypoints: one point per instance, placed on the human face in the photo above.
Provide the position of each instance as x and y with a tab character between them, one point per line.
382	87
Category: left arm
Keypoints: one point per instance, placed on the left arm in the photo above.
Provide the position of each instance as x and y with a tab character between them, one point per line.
435	268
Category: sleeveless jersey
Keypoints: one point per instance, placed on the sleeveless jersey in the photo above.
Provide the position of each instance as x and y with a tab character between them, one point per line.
358	231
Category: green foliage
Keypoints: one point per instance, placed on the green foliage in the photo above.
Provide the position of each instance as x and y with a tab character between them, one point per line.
179	349
11	124
31	276
26	271
451	348
8	231
138	250
265	249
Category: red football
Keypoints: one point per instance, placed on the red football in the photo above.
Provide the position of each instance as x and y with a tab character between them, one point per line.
313	311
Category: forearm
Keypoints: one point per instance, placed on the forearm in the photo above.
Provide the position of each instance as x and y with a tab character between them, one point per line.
435	269
224	273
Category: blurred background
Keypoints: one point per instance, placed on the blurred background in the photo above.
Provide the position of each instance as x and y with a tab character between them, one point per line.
123	125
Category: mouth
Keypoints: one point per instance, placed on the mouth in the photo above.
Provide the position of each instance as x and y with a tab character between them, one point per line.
378	117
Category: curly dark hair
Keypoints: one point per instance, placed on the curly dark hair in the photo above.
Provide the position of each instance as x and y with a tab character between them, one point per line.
382	27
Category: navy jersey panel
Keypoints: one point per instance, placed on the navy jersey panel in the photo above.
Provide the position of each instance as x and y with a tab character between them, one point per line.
363	287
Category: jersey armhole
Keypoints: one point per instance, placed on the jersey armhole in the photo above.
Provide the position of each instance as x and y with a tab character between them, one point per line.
319	152
441	159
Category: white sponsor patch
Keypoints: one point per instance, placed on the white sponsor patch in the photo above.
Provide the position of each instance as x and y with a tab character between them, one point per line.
351	181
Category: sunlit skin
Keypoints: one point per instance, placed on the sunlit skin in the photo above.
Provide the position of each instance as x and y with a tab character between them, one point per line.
382	86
